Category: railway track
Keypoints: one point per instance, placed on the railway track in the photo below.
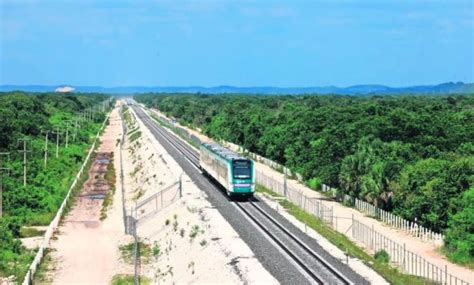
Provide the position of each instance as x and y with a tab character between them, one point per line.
315	267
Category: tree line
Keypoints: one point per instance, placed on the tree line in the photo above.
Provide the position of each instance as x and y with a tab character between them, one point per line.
29	117
412	155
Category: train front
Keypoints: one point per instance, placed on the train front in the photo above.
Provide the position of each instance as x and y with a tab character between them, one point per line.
243	177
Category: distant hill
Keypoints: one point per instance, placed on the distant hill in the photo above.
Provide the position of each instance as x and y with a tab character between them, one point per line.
449	87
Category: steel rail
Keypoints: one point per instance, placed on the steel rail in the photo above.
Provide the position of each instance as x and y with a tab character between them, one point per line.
182	146
186	151
307	249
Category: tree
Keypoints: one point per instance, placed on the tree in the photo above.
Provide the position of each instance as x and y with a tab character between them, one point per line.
459	238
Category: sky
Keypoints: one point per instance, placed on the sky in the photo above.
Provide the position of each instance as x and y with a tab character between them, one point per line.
241	43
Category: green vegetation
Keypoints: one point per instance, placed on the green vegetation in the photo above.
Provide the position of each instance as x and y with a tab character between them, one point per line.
382	256
46	265
135	135
127	116
31	115
392	275
194	232
411	155
459	241
179	131
145	251
110	178
30	232
122	279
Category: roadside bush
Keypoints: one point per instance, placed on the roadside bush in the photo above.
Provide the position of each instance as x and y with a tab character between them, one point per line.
315	183
382	256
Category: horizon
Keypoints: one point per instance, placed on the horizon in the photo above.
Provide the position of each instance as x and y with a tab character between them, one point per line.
233	86
243	44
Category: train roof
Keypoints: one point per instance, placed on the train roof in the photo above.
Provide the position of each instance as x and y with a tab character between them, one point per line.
223	152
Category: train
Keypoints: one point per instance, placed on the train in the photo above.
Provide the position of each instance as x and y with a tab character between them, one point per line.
234	172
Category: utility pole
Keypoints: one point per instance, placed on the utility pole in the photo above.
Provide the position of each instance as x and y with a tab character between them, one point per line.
57	141
46	149
75	129
24	151
67	132
2	169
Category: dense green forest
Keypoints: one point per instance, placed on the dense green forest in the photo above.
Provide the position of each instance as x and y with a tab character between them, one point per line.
412	155
30	116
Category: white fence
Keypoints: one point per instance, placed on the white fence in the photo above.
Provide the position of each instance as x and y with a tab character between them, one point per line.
412	228
54	223
158	201
311	205
395	221
408	261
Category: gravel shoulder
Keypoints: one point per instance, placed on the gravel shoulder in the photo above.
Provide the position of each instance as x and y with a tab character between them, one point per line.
190	241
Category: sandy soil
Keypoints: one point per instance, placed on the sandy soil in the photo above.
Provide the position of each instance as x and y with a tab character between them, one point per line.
189	231
86	249
426	249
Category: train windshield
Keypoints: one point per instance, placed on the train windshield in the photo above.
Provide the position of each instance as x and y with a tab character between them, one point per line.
242	169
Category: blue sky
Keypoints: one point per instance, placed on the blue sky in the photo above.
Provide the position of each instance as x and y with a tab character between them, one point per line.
242	43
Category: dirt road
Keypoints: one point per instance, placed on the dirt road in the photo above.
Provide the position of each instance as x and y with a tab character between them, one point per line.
86	249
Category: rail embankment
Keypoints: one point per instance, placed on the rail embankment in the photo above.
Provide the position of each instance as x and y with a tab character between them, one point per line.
177	228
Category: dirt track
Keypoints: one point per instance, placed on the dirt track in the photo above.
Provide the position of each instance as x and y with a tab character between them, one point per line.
86	249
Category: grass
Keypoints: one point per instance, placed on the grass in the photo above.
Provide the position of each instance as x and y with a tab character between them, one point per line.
134	136
145	252
26	232
111	179
47	265
123	279
461	259
133	130
80	182
194	232
135	171
177	131
139	192
128	117
391	274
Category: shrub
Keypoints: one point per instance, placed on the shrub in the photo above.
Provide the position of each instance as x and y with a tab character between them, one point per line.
315	183
382	256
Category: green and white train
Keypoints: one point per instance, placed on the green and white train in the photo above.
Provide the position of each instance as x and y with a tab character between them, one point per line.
234	172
